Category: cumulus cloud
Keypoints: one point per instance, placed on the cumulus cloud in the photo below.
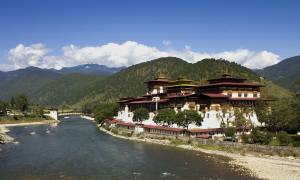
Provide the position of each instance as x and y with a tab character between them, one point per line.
124	54
23	56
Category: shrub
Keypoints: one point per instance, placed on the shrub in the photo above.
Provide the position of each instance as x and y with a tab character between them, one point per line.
260	137
246	138
283	138
229	132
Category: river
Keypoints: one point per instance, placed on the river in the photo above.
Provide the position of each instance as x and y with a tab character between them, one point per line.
76	149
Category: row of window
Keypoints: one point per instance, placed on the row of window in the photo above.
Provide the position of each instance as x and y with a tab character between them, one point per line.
240	94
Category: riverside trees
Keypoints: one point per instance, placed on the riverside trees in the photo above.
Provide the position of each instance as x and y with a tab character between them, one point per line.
165	116
140	115
181	118
104	111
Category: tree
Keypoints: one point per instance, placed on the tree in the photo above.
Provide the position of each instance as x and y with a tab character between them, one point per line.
186	117
140	115
240	121
105	111
99	118
38	111
262	112
230	132
21	102
260	137
281	115
12	103
165	116
225	109
3	108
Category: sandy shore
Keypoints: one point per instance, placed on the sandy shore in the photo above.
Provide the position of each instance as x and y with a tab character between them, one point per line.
30	123
264	167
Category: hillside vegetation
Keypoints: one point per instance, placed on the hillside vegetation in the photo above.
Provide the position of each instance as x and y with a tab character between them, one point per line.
130	81
52	88
286	73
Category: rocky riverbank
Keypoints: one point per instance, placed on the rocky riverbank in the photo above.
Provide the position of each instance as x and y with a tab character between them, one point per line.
261	166
4	138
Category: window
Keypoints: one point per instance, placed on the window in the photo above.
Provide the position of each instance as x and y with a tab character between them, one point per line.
207	115
230	94
240	94
245	94
255	94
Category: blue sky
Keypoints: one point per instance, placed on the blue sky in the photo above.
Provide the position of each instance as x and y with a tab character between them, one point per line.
209	28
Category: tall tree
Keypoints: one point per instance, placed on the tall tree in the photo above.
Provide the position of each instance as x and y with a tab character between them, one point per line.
186	117
104	111
3	108
21	102
240	121
282	114
140	115
165	116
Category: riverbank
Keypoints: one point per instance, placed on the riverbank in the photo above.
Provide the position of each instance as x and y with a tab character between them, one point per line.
4	138
25	123
261	166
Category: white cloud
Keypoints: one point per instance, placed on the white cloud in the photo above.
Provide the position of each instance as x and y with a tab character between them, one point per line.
24	56
125	54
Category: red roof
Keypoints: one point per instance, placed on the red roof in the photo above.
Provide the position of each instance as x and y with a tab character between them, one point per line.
112	120
205	130
215	95
203	136
125	124
163	128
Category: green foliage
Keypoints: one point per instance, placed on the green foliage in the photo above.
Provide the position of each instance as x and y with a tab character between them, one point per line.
104	111
3	108
240	121
186	117
140	115
37	111
165	116
246	138
50	88
21	102
130	81
260	137
284	138
230	132
282	114
286	73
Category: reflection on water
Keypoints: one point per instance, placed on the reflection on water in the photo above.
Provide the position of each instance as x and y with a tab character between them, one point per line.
75	149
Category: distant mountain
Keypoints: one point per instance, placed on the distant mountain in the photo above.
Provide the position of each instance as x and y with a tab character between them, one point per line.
24	81
67	89
75	86
286	73
130	81
38	83
91	69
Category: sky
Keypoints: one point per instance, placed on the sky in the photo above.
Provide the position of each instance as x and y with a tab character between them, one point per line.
64	33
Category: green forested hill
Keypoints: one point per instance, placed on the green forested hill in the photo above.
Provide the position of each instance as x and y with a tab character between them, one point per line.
25	81
46	87
130	81
67	89
286	73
